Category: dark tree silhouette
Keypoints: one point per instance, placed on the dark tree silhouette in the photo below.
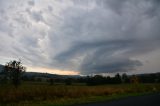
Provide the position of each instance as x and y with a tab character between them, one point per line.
68	81
117	78
13	71
125	78
51	81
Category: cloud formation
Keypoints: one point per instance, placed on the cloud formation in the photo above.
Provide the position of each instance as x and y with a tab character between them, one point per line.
88	36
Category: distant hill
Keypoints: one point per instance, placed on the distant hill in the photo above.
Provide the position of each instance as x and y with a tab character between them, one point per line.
37	74
48	75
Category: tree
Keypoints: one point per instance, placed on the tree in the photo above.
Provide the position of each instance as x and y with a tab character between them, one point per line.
134	79
51	81
117	79
96	80
13	71
68	81
125	78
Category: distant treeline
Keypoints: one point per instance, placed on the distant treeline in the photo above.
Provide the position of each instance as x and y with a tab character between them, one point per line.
98	79
14	72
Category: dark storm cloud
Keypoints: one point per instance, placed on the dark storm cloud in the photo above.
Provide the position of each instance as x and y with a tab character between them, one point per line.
110	67
115	5
102	56
80	47
89	36
114	54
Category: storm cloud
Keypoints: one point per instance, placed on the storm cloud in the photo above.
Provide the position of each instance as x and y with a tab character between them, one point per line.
88	36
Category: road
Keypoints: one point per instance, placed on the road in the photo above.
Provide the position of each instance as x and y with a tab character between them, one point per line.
147	100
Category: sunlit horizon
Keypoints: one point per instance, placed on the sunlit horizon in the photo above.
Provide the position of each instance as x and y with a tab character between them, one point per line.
51	71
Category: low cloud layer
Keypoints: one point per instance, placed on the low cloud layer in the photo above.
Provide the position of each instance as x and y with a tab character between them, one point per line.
88	36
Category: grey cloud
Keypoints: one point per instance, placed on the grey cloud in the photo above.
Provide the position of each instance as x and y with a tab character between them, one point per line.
101	57
36	15
110	67
115	5
91	36
82	47
133	40
148	7
50	8
32	3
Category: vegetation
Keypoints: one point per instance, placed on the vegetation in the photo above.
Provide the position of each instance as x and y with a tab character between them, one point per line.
56	90
51	81
13	71
32	93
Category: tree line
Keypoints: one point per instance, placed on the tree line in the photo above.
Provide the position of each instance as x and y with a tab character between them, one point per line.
99	79
117	79
13	73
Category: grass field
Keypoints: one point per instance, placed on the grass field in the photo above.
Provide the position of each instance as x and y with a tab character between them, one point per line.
42	94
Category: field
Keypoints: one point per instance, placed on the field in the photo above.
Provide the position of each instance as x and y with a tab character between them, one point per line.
43	94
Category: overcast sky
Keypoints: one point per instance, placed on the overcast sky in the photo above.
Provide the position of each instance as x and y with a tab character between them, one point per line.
81	36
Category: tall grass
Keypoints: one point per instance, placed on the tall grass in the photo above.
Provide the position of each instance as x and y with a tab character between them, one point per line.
41	92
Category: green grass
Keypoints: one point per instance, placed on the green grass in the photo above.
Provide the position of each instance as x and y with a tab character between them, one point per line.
42	94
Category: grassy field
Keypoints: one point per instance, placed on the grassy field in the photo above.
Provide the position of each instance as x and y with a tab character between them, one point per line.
42	94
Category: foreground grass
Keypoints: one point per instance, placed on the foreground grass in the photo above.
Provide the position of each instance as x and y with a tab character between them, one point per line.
59	95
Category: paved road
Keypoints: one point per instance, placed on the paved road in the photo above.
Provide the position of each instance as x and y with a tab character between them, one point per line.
147	100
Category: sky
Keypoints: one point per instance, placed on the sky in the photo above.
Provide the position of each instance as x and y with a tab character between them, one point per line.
81	36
